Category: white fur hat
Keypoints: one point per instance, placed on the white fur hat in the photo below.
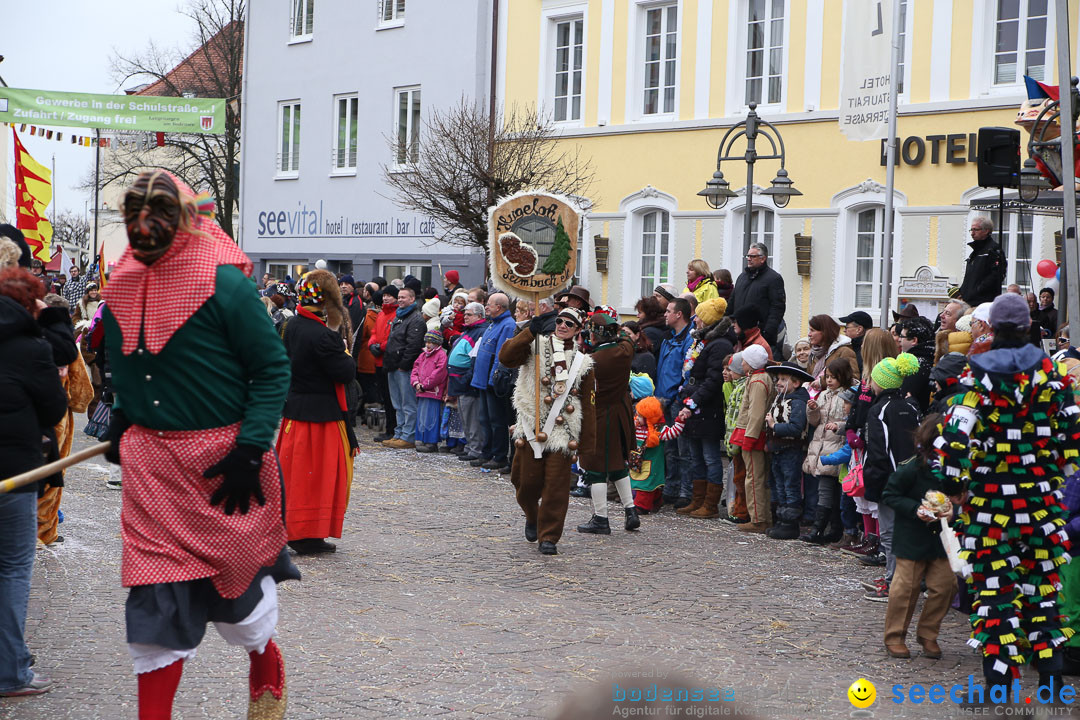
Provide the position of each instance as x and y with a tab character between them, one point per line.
755	356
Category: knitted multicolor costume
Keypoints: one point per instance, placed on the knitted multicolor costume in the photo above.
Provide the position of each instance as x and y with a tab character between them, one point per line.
1007	440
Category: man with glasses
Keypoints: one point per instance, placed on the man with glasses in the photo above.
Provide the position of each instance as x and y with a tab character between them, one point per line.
460	367
542	483
496	452
762	287
985	270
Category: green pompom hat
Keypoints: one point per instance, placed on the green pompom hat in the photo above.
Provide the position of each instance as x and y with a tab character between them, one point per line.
889	374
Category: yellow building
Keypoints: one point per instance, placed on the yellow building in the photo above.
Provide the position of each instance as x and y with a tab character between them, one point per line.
647	89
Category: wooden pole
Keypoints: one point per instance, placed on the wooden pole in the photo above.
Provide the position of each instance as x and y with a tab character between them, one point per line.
536	356
32	476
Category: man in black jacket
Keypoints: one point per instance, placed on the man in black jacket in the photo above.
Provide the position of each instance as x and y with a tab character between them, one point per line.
985	270
404	346
762	287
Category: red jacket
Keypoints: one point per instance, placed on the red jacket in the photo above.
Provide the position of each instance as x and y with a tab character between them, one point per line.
382	331
365	361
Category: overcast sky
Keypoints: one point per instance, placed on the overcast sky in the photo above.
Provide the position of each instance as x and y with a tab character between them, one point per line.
67	45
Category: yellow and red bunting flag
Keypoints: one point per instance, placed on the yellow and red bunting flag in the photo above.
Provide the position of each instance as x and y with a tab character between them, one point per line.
33	193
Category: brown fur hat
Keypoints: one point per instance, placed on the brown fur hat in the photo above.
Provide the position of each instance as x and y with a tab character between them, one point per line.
319	289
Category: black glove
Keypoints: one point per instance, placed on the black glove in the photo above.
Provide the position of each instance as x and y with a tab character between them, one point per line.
536	325
118	425
376	349
240	470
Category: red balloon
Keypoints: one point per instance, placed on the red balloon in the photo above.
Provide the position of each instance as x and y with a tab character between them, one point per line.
1047	268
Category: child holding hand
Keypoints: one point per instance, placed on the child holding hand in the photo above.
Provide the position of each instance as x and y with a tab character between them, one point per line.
647	460
429	377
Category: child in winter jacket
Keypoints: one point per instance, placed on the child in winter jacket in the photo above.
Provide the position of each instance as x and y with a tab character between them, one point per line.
428	378
647	460
734	387
826	413
749	437
849	513
787	440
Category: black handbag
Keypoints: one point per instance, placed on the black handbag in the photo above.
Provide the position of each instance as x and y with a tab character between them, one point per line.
503	380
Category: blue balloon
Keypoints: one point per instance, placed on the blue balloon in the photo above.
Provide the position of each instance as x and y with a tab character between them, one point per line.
1058	274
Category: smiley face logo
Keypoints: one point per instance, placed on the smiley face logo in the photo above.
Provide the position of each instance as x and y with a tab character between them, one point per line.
862	693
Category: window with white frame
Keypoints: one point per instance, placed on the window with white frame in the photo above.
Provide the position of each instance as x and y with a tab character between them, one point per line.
288	159
398	270
1020	40
569	59
1016	240
762	230
868	260
345	116
661	58
408	125
391	12
764	52
302	20
901	68
655	246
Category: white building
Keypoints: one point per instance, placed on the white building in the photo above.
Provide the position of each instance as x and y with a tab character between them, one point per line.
325	86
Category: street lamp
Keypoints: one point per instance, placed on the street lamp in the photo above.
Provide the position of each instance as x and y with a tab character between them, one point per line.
717	189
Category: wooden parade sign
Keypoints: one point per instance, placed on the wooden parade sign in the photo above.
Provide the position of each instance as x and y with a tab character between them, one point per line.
532	246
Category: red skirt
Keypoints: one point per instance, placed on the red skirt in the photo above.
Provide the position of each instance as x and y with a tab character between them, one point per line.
170	530
318	470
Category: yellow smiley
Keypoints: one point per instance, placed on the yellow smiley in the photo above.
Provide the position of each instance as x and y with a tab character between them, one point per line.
862	693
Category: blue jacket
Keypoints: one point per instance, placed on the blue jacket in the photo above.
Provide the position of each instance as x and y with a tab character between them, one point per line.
460	364
840	457
669	368
501	329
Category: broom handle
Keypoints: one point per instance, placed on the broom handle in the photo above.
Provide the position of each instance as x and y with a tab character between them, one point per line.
32	476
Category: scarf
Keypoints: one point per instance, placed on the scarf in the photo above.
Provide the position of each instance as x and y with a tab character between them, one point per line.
403	311
697	281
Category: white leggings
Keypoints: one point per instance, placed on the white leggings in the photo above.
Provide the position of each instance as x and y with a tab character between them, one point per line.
253	633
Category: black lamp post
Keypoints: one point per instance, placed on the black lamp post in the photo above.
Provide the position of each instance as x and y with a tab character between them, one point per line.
717	189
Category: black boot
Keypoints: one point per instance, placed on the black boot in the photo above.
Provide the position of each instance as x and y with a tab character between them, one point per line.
817	534
632	521
548	548
530	532
597	526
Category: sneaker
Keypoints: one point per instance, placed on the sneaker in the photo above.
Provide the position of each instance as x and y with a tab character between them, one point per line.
493	464
427	448
504	470
444	449
382	437
466	457
875	560
479	462
872	585
880	595
38	684
58	541
112	484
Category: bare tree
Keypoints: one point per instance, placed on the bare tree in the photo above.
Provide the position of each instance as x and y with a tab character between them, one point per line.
211	69
458	170
73	230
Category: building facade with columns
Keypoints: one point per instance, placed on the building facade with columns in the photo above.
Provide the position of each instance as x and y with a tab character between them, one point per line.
647	89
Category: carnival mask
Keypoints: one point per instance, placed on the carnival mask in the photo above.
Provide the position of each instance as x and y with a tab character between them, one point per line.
152	212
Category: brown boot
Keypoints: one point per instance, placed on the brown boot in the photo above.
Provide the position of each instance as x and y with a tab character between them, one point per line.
697	500
898	650
931	649
710	508
753	527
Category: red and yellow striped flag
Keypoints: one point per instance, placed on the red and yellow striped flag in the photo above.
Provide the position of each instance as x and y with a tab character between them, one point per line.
33	193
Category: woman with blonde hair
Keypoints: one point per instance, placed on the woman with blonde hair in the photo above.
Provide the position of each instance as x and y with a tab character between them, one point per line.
699	281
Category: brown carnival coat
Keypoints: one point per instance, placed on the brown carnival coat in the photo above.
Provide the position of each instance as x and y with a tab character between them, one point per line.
614	415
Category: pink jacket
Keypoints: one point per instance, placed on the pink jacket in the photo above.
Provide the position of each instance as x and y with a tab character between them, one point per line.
430	371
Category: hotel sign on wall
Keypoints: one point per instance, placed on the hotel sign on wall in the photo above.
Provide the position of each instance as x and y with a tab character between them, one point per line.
953	149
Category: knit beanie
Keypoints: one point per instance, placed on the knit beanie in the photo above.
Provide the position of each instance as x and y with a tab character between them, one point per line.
433	336
452	276
641	386
736	364
431	308
755	356
1010	308
711	311
964	324
889	374
460	294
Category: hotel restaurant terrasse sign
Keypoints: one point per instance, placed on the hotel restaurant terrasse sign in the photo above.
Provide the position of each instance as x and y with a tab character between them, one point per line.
532	243
926	290
145	113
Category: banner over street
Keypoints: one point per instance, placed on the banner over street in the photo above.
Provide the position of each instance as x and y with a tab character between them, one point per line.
201	116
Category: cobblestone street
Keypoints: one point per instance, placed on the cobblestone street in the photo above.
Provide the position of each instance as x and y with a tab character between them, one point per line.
434	605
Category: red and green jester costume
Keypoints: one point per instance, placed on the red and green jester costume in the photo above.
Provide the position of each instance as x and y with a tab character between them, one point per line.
1006	441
